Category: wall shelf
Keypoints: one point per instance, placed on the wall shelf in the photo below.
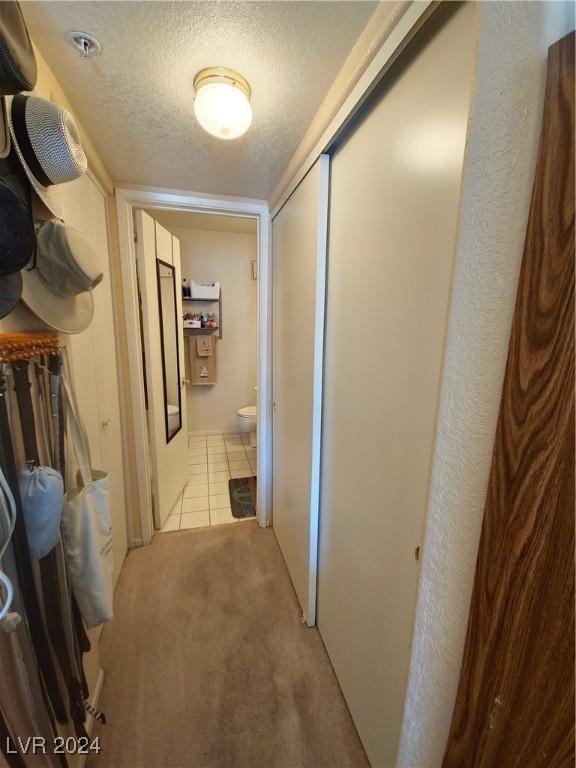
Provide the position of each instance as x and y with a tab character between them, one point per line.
192	331
203	301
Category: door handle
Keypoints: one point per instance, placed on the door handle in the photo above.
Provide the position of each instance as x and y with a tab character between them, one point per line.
185	381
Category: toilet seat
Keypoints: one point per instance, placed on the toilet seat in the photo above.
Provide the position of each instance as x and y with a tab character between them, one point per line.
248	412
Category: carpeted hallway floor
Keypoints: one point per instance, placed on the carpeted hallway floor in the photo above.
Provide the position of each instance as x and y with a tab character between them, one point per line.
207	663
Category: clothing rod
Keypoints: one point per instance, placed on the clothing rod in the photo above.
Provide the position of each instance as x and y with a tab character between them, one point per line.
24	346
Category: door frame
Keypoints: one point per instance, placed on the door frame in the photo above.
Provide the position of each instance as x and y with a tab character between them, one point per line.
128	199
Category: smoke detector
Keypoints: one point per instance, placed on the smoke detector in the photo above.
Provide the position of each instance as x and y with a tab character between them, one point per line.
85	43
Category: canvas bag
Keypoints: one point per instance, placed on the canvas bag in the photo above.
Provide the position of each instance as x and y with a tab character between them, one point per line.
87	526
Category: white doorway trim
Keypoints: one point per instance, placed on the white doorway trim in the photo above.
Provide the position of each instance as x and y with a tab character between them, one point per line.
127	199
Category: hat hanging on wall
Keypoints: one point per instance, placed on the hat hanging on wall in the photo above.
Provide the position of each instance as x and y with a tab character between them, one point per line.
17	238
58	284
18	71
10	290
47	142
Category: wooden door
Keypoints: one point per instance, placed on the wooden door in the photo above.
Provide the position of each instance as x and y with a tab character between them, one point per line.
168	452
299	278
515	702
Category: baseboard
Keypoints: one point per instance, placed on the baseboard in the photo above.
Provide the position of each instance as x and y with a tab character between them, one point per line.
81	759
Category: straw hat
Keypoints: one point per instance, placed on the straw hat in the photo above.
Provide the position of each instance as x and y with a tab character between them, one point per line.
47	142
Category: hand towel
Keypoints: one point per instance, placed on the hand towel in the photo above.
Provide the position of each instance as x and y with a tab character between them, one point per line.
204	371
203	368
204	346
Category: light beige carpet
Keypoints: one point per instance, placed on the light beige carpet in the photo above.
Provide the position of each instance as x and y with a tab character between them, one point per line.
208	664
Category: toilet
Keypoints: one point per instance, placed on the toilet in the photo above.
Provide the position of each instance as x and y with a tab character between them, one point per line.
173	418
247	422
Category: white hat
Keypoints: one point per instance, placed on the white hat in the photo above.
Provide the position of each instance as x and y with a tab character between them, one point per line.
48	144
59	280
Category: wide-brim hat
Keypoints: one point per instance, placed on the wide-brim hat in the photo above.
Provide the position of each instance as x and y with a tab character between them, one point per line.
58	283
47	141
10	291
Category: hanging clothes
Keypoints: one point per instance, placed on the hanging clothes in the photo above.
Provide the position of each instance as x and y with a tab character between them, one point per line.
53	591
21	697
24	568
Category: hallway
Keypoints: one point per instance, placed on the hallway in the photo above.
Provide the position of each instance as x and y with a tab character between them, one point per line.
208	632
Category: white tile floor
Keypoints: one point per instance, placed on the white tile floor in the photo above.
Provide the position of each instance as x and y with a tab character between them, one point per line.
212	461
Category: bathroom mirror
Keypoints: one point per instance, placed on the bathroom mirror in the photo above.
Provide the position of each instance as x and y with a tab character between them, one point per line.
168	318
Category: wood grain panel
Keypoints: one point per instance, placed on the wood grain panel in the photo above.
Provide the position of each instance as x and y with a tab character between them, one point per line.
515	703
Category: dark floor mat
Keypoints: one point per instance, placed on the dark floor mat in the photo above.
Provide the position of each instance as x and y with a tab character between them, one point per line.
243	496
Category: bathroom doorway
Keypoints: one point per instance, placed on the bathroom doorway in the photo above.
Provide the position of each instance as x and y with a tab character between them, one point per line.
223	293
218	264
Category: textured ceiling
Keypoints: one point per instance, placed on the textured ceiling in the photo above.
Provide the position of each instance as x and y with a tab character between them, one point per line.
135	100
215	222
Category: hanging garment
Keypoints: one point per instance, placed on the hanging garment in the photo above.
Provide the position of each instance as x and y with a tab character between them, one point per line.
9	619
14	760
22	698
87	526
80	642
21	695
56	414
41	494
24	569
44	424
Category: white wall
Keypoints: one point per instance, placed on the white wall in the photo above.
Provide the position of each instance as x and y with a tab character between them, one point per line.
497	186
225	257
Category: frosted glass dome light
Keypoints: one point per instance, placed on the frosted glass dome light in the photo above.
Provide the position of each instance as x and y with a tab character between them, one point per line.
222	102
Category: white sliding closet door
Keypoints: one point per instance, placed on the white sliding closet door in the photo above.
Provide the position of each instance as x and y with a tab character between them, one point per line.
299	278
394	199
169	458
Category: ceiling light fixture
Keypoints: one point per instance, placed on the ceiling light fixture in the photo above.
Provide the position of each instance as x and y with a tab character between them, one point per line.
222	102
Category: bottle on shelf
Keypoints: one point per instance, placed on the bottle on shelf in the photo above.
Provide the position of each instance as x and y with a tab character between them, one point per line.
185	289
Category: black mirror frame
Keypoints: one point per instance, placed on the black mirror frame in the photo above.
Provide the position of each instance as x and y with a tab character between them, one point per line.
172	268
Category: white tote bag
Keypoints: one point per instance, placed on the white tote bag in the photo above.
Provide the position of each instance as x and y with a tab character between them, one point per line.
87	526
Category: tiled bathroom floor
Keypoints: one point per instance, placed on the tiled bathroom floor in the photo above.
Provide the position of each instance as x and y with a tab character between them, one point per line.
212	461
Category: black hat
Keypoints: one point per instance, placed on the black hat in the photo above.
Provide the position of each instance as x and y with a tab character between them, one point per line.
17	238
18	71
10	291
